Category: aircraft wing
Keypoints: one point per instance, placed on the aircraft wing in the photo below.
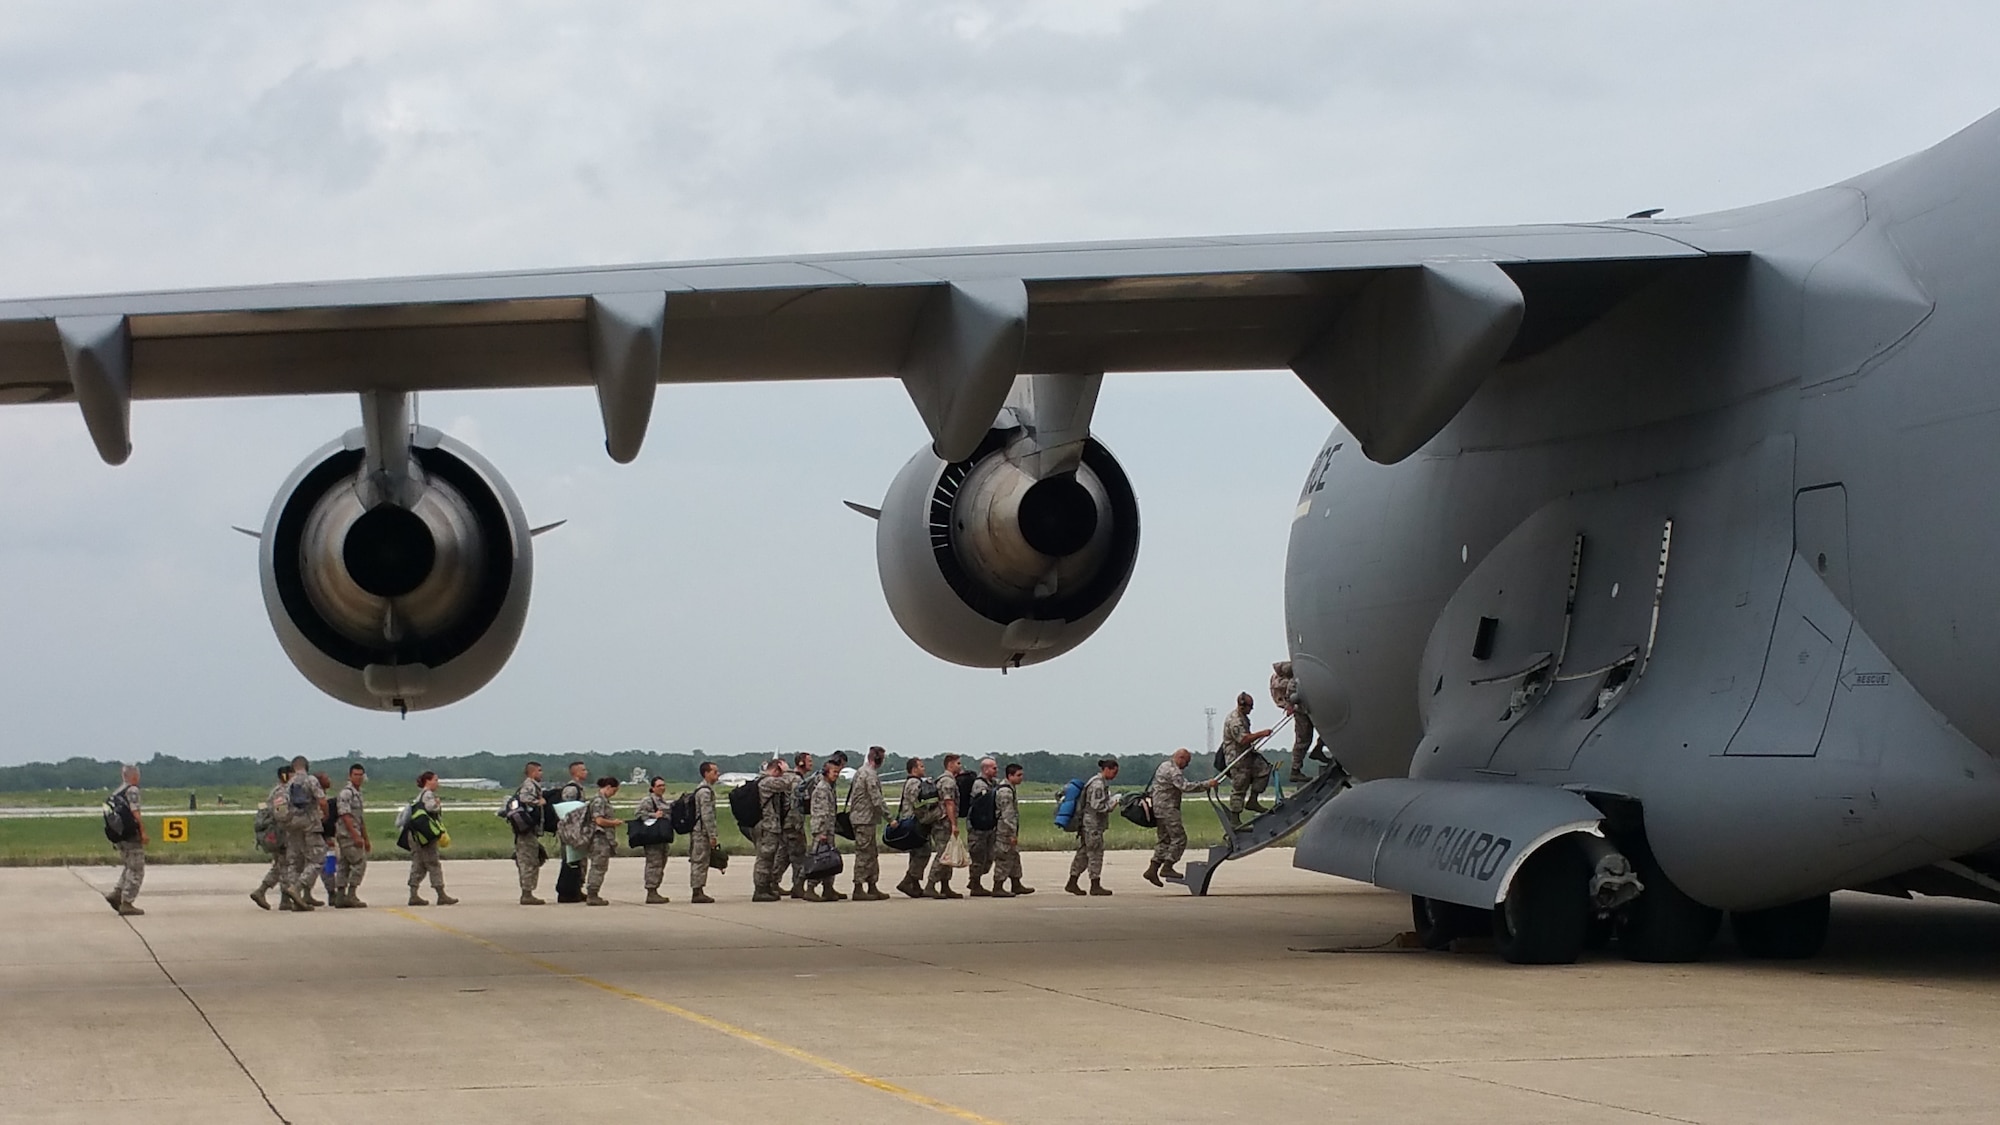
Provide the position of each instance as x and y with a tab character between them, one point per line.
1193	304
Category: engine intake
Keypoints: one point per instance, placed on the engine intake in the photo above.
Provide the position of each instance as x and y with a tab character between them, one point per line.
407	603
987	566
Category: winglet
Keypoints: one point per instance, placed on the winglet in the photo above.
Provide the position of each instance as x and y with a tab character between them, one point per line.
246	531
871	513
535	531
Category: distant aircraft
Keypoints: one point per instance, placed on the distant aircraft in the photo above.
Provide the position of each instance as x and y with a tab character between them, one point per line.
732	780
1650	572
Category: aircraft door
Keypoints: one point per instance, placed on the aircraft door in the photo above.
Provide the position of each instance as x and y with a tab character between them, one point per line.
1809	640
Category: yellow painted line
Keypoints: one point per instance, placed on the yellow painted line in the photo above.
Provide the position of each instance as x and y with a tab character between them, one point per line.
776	1046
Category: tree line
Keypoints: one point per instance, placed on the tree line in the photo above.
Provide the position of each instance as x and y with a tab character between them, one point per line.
164	771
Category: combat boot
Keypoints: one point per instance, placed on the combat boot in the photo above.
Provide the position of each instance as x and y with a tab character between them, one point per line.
762	895
257	896
1099	889
978	889
445	899
999	890
1071	886
111	899
1297	778
654	897
300	903
701	896
127	910
354	902
310	900
944	889
1153	873
417	899
1019	889
827	893
798	890
285	904
1167	871
909	886
530	900
595	900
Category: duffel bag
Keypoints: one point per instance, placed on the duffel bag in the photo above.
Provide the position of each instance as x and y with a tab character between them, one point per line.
905	834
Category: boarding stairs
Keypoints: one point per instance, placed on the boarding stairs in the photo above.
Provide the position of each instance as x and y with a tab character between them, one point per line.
1281	820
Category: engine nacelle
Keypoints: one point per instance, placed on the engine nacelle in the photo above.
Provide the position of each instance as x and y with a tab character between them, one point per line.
406	604
986	566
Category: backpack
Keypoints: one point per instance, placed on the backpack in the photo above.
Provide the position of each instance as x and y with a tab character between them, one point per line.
681	814
523	819
744	805
120	826
299	796
640	833
264	830
419	825
964	803
575	828
1066	805
802	795
984	812
1138	808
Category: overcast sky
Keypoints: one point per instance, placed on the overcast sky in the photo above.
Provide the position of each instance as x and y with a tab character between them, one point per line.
715	594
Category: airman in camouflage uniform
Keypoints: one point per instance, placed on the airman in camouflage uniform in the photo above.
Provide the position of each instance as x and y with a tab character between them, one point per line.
1250	774
774	796
280	813
803	775
1169	783
1094	809
604	824
938	883
131	851
1007	835
1285	693
867	809
706	838
528	845
653	806
305	846
912	803
424	861
979	842
350	833
823	810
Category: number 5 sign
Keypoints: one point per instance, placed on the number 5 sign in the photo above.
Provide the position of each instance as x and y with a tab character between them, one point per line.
174	829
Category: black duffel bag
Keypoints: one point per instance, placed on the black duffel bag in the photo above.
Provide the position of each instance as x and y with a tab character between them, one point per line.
1138	808
647	833
905	834
822	862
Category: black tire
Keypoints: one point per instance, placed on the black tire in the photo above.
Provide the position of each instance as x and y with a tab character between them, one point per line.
1663	925
1546	915
1792	932
1439	923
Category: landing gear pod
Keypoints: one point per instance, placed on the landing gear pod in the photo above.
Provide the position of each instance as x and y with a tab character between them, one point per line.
984	564
402	601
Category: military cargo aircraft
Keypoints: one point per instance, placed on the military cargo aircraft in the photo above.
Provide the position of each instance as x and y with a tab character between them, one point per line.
1646	576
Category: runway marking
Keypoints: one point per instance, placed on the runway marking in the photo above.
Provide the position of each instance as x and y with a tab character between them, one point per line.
776	1046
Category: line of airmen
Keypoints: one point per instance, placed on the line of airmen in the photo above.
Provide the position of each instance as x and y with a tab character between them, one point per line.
300	809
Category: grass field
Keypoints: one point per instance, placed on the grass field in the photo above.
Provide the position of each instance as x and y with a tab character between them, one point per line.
475	834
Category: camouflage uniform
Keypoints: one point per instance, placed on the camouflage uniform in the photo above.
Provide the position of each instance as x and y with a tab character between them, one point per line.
824	809
1094	809
704	836
1168	785
281	813
131	854
1007	835
979	843
1251	775
351	862
652	807
528	845
910	805
305	842
774	793
424	859
941	829
603	842
867	809
795	825
1285	693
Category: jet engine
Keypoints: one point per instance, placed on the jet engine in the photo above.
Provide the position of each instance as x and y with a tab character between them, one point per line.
986	564
398	590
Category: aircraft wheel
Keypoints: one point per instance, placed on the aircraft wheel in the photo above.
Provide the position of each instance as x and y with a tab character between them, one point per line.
1546	915
1439	923
1791	932
1664	925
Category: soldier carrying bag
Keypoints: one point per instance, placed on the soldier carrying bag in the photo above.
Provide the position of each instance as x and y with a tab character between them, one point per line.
647	833
904	834
681	814
822	862
1138	808
843	824
745	806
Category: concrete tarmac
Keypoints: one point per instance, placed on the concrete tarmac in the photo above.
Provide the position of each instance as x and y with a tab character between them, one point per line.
1277	998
